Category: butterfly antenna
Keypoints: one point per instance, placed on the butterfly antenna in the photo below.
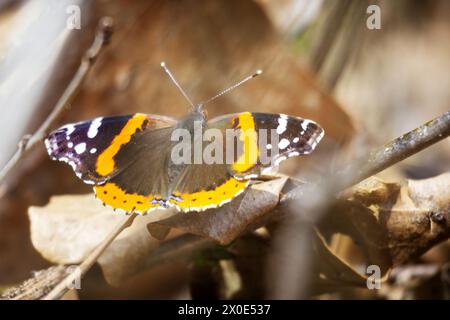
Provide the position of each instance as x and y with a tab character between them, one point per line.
163	65
257	73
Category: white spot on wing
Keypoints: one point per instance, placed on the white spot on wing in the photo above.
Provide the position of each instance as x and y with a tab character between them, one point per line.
283	144
305	124
93	150
282	124
93	128
296	139
69	129
80	148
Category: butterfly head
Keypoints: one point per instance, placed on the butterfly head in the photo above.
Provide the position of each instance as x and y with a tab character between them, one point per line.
197	109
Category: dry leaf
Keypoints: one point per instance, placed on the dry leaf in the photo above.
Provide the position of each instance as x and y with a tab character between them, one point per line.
395	222
127	254
332	272
67	229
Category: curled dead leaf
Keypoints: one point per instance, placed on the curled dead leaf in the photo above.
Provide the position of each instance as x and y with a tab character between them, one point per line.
332	272
394	222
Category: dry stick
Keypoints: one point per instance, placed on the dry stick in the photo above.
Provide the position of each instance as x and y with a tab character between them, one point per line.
36	287
102	37
84	267
380	159
397	150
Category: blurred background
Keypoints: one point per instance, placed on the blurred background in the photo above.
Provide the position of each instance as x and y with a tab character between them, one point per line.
320	61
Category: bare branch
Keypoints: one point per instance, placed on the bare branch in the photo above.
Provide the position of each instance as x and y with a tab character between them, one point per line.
397	150
39	285
84	267
102	37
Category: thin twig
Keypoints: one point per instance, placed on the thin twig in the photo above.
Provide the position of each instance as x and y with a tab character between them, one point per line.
102	37
39	285
397	150
384	157
84	267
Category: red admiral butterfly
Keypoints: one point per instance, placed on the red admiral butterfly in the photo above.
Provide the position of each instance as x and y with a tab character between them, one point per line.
130	161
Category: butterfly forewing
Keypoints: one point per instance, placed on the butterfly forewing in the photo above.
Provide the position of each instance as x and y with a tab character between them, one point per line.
91	146
265	140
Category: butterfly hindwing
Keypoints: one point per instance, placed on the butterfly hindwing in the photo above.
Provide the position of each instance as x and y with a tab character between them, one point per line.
142	183
203	186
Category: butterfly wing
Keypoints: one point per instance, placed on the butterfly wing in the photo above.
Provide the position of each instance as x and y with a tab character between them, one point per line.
203	186
263	140
117	155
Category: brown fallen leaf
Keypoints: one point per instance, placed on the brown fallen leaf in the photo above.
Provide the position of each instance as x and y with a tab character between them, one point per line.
331	272
69	227
394	222
127	254
228	222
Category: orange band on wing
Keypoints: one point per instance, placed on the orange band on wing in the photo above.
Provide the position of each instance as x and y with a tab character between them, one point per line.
210	198
117	198
250	152
105	162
